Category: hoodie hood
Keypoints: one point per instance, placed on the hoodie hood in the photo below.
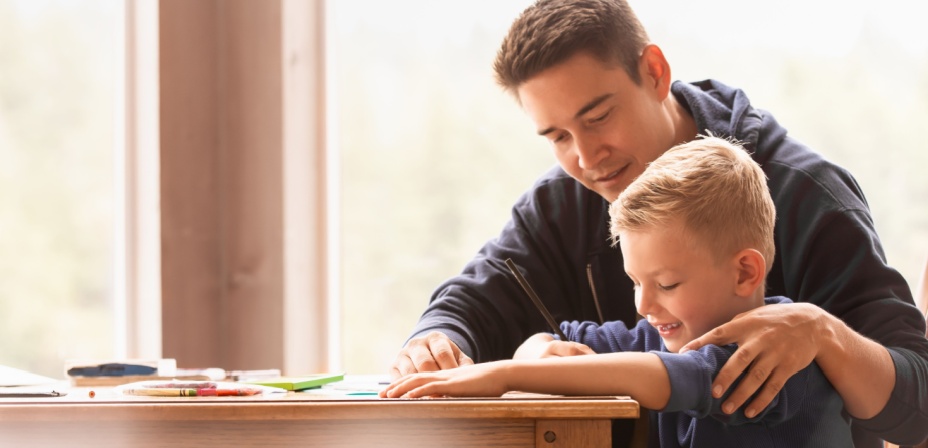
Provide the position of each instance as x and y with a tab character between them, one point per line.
726	112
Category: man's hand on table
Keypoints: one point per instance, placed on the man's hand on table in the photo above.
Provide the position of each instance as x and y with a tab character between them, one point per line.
429	353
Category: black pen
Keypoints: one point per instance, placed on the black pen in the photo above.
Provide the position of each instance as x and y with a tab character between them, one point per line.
32	394
531	294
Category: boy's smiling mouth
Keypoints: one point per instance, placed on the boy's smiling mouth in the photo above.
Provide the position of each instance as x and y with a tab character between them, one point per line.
664	329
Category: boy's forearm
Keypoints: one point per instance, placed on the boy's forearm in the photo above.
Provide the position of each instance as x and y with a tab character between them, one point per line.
860	369
639	375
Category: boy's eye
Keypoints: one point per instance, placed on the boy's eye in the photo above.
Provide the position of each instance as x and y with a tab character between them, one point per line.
559	137
669	287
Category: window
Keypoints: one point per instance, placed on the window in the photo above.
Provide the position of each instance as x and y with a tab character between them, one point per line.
59	89
846	78
433	154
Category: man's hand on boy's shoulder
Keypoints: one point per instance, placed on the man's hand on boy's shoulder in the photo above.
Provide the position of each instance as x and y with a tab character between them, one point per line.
434	351
774	342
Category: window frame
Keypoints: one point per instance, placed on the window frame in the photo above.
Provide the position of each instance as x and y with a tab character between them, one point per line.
243	187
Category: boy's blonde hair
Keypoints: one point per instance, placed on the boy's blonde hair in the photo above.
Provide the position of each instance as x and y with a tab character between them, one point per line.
714	187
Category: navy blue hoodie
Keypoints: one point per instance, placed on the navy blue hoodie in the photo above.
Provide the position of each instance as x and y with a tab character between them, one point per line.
827	253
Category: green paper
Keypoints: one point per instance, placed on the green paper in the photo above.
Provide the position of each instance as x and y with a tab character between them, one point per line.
299	382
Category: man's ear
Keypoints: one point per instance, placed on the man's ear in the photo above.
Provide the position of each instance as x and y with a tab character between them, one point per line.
751	272
655	70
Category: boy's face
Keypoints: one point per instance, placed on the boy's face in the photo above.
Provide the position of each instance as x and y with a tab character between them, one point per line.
680	287
603	127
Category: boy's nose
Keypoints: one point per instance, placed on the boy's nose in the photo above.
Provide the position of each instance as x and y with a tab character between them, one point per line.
643	301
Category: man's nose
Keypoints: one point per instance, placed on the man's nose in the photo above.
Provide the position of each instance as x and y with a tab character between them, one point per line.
590	152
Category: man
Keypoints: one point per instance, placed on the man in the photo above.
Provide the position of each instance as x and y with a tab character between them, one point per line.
595	86
696	234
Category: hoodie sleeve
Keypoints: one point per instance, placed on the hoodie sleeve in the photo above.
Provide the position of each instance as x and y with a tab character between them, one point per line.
903	419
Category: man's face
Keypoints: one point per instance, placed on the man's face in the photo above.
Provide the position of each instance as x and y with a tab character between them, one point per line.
603	127
680	288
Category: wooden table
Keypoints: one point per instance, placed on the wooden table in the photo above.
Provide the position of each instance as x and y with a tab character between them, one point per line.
296	419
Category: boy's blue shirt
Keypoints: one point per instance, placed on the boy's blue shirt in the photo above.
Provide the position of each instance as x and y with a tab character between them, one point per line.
807	411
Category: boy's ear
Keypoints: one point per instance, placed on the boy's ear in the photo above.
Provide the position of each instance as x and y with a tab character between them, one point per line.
751	269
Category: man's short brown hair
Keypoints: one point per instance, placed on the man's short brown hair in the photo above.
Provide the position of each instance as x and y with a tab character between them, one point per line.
551	31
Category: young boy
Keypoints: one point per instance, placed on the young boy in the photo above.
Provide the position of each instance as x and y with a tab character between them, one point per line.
696	232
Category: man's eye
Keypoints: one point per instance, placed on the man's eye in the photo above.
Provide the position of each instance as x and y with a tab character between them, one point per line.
669	287
600	118
559	137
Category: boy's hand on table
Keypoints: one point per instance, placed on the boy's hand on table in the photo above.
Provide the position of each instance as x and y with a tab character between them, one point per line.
478	380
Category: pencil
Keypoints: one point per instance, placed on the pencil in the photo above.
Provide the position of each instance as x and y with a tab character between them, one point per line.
202	392
531	294
180	391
